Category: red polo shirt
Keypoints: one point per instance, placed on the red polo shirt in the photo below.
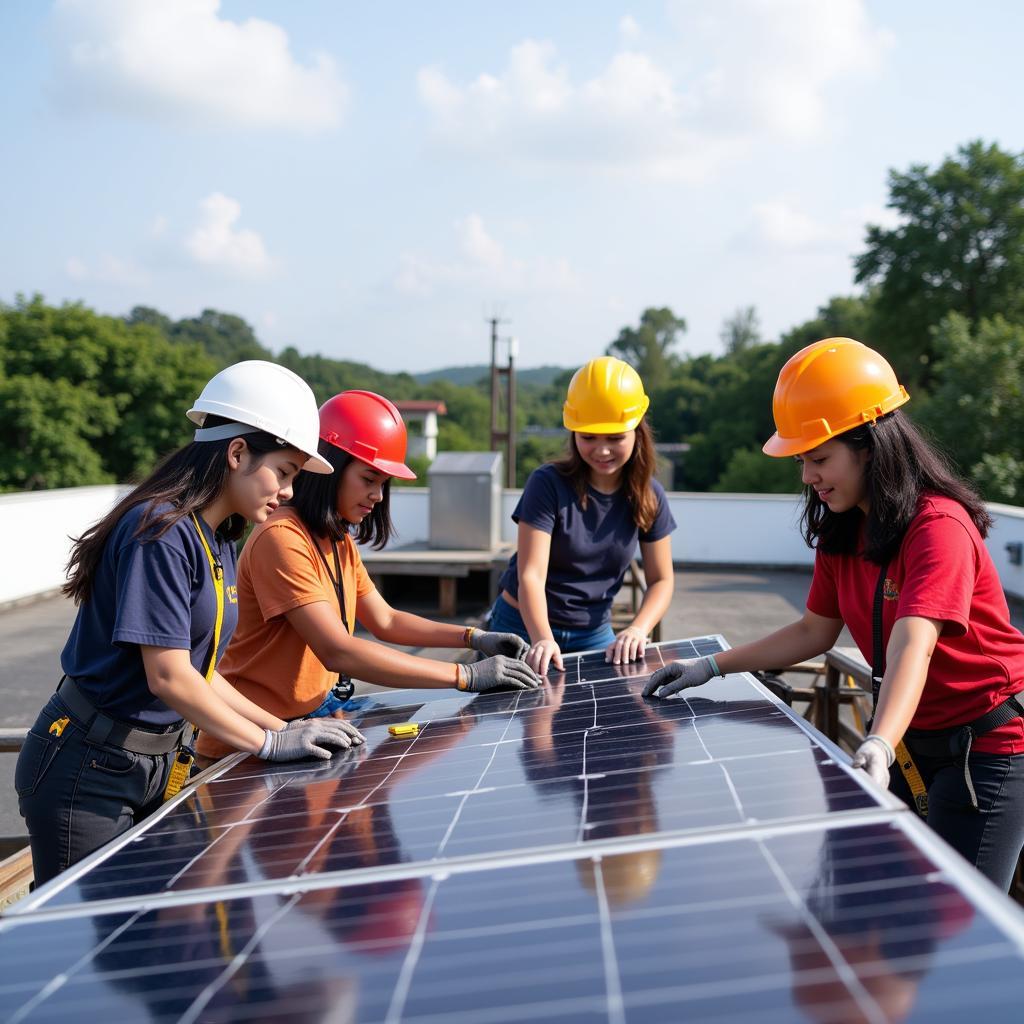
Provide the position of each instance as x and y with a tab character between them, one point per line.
942	571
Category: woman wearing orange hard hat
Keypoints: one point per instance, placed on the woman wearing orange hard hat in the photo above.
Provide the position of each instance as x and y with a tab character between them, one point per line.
580	520
901	561
302	586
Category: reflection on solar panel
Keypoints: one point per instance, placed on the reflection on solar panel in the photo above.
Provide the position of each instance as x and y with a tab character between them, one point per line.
579	854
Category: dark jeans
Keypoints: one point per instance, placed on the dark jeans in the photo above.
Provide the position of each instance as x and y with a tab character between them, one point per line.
76	796
992	837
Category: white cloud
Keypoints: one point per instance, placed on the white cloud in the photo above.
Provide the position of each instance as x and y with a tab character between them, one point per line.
628	28
780	223
180	59
481	263
217	243
106	269
736	72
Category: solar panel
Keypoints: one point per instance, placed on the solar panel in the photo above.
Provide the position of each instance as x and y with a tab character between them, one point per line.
577	854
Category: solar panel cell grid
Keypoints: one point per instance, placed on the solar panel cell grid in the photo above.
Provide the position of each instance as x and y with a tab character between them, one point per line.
579	854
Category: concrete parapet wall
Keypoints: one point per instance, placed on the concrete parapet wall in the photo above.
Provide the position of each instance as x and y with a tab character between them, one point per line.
714	529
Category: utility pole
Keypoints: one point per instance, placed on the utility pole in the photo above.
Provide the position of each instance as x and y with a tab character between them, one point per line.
508	435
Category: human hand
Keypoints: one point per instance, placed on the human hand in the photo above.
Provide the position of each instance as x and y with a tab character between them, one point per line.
509	644
629	645
310	737
875	755
342	724
679	675
543	653
497	673
335	720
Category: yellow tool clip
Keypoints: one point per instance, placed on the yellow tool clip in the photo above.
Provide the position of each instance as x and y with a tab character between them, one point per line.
406	729
57	726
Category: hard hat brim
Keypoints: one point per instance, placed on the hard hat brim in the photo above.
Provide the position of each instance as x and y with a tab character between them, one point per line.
317	464
603	428
783	447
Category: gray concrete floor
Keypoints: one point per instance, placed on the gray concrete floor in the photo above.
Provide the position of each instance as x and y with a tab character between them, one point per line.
741	605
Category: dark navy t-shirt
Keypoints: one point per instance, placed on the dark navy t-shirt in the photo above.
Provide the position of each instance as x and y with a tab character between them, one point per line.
590	548
159	593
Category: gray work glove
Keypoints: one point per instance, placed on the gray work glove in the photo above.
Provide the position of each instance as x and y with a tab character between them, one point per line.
340	724
498	643
679	675
310	737
497	673
875	755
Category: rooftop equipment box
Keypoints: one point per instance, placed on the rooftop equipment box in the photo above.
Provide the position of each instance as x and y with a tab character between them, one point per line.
465	500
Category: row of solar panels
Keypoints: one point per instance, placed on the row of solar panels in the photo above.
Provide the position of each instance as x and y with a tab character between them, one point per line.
578	854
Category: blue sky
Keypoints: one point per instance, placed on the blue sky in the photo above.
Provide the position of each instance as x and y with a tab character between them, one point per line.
369	181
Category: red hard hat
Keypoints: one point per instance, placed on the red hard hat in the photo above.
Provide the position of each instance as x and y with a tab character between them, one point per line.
368	427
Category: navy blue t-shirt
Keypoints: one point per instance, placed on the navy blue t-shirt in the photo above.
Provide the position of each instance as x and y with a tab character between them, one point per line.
590	548
159	593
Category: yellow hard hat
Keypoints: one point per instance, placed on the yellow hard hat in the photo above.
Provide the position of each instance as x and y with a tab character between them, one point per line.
828	388
605	397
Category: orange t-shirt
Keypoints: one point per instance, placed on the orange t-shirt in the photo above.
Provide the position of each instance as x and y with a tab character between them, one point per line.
267	660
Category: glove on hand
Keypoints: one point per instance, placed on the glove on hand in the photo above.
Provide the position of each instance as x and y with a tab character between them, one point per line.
498	673
679	675
499	643
874	756
311	737
340	724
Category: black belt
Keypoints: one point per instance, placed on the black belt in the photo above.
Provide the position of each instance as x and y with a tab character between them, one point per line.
106	730
956	742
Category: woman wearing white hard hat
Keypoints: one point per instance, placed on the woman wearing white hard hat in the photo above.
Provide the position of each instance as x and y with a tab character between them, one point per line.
154	581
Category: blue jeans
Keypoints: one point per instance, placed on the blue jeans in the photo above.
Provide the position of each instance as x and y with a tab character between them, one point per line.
506	619
331	703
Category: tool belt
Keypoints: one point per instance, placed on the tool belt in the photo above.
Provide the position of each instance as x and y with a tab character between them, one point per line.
102	729
955	743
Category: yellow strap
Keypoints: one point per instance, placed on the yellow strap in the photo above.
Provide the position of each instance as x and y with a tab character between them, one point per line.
183	760
913	777
217	573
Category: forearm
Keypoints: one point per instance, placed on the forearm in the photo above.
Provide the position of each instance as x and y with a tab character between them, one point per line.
533	607
375	663
245	707
415	631
787	646
194	699
653	607
900	694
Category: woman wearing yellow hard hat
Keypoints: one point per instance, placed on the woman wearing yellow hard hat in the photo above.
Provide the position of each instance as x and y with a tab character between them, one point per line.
901	561
580	519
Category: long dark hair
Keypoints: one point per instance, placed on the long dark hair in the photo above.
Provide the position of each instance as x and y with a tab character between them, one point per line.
185	481
315	498
636	475
902	466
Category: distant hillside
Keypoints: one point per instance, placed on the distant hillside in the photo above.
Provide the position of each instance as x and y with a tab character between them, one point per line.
537	376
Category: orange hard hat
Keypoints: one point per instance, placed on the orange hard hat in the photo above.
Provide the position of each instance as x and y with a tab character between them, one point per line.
828	388
369	427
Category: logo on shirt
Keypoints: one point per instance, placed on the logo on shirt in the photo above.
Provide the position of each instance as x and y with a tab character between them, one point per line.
889	590
232	594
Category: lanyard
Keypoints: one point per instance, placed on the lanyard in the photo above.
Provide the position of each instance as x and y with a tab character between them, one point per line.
335	577
185	757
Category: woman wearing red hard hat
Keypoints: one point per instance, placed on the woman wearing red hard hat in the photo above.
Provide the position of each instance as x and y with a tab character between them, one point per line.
901	561
302	586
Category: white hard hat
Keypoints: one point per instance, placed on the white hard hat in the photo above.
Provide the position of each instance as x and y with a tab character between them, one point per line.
262	396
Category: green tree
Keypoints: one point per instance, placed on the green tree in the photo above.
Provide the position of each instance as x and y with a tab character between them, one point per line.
976	408
648	347
750	471
959	248
741	331
227	338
